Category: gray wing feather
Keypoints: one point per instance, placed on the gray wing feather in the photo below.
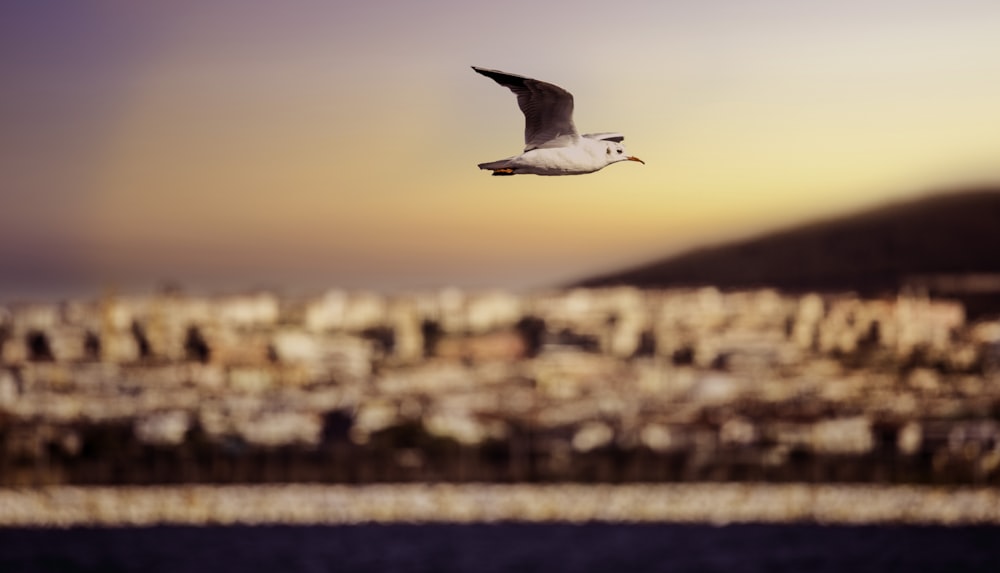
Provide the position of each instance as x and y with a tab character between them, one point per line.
547	109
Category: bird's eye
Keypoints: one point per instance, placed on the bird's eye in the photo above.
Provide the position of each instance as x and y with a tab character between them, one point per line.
619	152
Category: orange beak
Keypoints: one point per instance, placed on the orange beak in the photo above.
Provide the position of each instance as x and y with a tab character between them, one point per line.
634	158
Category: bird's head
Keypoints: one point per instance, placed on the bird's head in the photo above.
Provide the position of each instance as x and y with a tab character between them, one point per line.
615	152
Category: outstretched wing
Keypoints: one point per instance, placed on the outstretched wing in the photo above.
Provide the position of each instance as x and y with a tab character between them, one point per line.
548	109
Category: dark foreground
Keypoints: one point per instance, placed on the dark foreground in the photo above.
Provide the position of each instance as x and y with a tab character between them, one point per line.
503	547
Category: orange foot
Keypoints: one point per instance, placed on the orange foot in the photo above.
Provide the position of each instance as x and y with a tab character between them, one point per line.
503	171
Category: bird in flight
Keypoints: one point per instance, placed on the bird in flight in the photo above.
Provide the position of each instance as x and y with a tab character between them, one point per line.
552	145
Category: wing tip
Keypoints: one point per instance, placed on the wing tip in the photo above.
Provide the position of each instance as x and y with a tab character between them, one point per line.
502	78
605	136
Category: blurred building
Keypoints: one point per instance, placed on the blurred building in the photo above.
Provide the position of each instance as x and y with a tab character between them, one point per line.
610	384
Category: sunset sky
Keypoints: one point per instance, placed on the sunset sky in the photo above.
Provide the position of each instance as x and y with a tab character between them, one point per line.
305	145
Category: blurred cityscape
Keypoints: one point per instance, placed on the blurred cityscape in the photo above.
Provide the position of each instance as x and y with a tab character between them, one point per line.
605	385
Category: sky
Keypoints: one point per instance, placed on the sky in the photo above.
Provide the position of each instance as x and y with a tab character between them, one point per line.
308	145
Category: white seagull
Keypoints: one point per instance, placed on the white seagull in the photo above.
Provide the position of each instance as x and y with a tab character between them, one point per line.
551	144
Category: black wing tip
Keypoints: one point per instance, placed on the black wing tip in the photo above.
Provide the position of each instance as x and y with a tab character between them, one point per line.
606	136
502	78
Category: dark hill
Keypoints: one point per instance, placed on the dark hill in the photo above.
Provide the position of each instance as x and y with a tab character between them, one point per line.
874	252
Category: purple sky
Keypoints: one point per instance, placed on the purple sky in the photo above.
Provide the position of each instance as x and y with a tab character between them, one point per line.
312	144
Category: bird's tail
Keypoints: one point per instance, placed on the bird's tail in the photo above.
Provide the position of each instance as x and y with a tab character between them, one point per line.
494	165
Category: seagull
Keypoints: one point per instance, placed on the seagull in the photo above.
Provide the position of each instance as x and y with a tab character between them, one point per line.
552	145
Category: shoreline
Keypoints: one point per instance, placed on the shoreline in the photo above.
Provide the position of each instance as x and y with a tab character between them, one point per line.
307	504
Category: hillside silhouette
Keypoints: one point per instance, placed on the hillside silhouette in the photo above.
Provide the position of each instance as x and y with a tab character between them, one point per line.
877	252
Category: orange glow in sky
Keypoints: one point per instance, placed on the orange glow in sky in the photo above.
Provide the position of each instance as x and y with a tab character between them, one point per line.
312	144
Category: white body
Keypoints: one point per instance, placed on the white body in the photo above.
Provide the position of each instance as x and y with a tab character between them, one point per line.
583	156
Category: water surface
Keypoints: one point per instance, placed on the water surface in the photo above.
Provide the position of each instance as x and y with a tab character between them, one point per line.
504	547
